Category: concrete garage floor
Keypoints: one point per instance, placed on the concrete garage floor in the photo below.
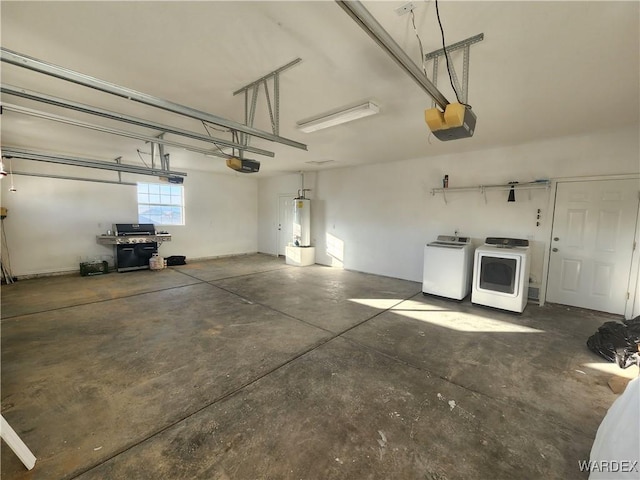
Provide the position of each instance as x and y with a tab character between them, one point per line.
247	368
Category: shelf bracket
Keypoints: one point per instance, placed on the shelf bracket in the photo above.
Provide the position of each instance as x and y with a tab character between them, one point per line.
119	162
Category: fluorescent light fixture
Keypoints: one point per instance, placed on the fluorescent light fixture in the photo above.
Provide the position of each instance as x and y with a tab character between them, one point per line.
336	118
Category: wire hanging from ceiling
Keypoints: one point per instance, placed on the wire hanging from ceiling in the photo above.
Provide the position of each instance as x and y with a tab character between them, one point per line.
413	22
140	155
446	56
204	124
215	144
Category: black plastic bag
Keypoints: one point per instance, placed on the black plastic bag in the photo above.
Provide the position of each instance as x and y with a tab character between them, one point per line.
617	342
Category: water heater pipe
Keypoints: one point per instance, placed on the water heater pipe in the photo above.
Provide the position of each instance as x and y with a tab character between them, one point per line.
301	190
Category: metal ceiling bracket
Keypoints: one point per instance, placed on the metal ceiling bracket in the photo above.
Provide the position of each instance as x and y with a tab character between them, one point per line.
369	24
16	152
20	60
158	146
274	107
153	155
434	78
119	161
164	157
80	107
462	89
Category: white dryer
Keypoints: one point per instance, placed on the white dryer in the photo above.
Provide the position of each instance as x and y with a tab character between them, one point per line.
501	274
448	266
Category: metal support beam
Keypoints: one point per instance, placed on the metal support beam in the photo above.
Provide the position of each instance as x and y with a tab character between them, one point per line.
80	107
82	179
122	133
455	46
454	78
268	76
369	24
250	115
20	60
164	157
274	123
462	89
274	108
465	75
119	162
434	78
15	152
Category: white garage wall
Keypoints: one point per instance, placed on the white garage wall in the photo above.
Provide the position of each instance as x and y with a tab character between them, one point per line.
377	218
52	224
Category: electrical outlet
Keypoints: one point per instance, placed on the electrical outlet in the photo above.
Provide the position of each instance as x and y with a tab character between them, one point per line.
406	8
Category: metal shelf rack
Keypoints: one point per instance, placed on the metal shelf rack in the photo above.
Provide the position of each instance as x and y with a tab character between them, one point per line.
536	185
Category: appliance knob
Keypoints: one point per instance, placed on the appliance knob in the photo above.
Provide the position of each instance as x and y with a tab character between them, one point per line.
554	249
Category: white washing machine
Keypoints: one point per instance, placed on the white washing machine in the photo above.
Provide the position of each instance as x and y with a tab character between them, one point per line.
448	266
501	274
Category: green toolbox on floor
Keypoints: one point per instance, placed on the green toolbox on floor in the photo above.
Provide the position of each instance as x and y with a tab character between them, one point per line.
93	268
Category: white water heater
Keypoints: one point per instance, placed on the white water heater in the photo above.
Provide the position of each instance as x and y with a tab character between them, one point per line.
301	221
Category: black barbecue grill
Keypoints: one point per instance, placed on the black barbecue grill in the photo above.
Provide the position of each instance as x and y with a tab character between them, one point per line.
134	244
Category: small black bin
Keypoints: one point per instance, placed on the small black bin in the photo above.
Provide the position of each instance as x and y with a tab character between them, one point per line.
176	260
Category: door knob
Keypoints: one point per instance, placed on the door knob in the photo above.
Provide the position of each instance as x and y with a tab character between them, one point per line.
554	249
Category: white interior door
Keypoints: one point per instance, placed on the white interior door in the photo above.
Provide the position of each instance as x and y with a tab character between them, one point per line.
285	222
592	244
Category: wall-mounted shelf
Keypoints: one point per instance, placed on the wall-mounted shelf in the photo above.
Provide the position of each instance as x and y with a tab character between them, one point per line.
537	185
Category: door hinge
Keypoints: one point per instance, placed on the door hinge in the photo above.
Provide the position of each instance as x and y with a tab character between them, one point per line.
628	295
634	245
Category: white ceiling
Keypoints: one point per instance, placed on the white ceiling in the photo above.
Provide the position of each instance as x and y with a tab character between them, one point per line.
544	69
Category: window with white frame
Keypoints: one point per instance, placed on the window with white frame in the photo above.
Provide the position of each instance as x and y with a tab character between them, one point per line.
160	204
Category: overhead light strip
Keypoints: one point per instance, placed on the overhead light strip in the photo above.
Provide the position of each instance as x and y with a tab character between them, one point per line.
20	60
354	113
